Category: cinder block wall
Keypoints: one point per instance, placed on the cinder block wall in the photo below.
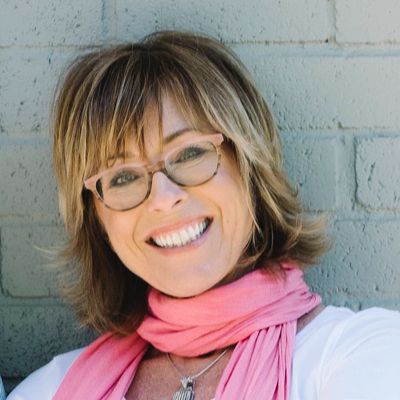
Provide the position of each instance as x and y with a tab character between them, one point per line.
330	70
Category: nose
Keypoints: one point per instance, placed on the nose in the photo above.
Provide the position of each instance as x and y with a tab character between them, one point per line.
164	194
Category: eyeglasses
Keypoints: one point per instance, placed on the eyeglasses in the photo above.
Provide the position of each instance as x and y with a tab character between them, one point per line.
126	186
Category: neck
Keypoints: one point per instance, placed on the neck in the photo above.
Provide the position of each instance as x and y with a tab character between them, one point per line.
301	323
152	352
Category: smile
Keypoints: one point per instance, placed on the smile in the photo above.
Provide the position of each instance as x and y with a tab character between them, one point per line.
181	237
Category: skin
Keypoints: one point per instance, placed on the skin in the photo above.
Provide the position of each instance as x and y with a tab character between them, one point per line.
187	271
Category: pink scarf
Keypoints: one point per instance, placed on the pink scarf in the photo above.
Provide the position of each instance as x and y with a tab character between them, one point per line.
257	312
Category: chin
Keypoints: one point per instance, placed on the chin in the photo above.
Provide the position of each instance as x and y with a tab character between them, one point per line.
187	292
183	295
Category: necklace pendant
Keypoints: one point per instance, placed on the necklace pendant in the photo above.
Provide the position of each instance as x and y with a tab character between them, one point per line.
186	392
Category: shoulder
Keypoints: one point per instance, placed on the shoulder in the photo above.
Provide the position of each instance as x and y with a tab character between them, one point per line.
349	355
363	357
43	383
364	332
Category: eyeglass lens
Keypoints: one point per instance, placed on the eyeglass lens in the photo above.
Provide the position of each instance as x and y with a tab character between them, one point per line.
125	187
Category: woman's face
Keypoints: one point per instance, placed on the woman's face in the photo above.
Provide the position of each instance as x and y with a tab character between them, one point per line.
190	269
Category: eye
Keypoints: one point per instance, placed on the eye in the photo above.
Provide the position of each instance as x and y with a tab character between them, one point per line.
190	153
123	178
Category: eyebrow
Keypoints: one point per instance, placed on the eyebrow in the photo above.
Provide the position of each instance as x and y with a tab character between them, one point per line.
171	137
167	140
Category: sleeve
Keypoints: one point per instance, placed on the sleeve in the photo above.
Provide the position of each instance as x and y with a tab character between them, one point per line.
43	383
362	362
2	391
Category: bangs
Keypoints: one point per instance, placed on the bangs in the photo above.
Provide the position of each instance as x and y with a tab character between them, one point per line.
124	94
116	111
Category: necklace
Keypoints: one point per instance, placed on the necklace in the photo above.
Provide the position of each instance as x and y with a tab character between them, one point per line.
186	392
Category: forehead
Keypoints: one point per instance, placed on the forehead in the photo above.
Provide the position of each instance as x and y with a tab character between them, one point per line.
163	124
163	127
171	140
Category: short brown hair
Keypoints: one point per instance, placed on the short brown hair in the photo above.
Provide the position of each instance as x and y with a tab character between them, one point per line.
103	98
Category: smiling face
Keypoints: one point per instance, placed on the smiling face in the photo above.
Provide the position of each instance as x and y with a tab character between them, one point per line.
180	240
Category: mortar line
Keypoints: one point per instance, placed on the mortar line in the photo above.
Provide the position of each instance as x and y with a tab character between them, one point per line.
335	20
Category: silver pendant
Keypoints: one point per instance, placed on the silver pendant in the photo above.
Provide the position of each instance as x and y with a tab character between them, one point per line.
186	392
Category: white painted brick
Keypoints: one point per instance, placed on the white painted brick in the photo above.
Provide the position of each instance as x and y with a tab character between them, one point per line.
378	172
28	79
32	336
329	91
367	21
363	264
50	22
311	166
27	185
26	269
258	20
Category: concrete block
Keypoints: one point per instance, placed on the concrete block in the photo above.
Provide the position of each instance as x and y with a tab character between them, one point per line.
368	21
255	20
28	79
327	92
311	166
364	263
32	336
50	22
27	185
28	268
378	173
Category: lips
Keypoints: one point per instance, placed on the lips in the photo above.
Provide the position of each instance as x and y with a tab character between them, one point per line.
182	236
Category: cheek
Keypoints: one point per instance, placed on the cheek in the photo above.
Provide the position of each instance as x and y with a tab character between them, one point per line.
236	217
116	232
240	223
120	229
117	225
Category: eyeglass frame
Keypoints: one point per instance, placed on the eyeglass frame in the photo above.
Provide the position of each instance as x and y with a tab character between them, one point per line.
158	166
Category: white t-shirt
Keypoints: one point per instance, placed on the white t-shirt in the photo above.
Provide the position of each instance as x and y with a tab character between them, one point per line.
340	355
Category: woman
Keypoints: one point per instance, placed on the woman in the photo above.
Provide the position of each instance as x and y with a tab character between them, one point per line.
190	242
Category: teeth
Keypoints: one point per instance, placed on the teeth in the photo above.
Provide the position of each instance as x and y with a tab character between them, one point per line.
181	237
191	231
169	241
185	237
163	241
176	239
